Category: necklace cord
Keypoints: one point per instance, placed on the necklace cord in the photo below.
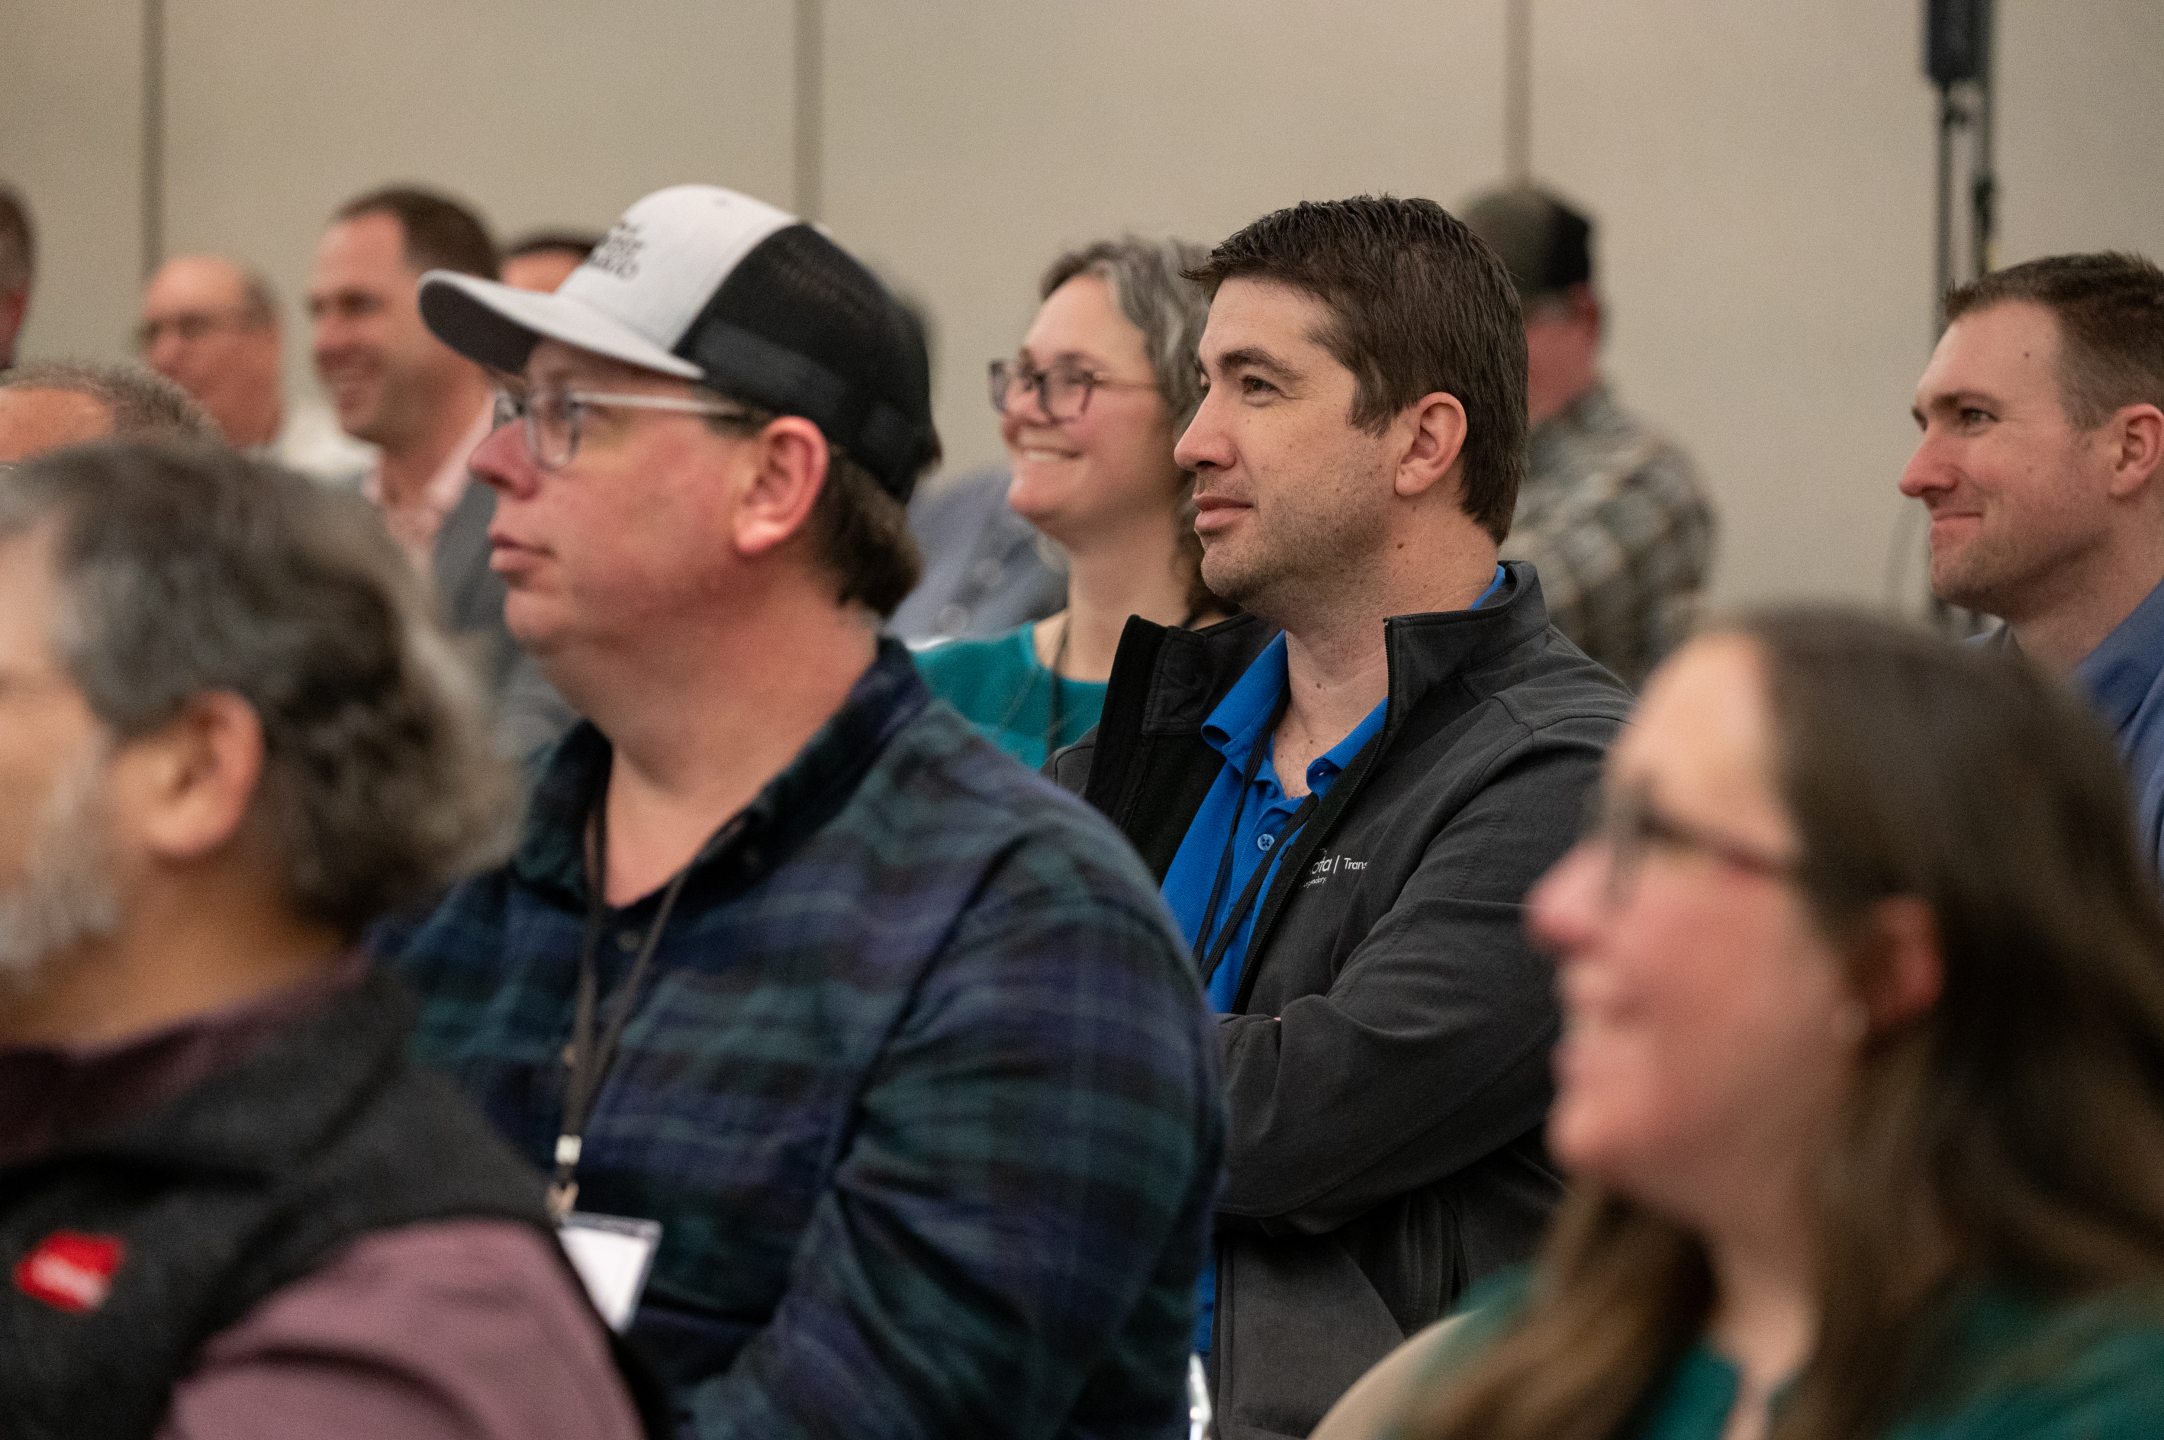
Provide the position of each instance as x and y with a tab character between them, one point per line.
592	1061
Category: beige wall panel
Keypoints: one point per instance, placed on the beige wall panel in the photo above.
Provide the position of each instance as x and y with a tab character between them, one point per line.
1764	180
2081	116
1761	175
555	114
70	123
969	141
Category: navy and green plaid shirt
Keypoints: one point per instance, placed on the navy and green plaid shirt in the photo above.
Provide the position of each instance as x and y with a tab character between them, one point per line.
921	1087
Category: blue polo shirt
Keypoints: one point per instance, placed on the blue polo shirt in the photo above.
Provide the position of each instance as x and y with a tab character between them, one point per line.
1240	722
2124	679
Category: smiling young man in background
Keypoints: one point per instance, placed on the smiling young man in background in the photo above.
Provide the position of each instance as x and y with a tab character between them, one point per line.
2042	413
426	407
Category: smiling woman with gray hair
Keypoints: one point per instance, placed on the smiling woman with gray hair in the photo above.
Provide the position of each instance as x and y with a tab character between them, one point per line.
1104	382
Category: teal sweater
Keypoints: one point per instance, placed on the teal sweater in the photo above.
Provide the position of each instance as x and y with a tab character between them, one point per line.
2013	1366
1000	688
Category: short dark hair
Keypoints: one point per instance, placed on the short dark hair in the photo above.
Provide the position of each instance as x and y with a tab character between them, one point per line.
186	569
144	404
1418	305
441	233
2110	309
549	242
18	240
859	529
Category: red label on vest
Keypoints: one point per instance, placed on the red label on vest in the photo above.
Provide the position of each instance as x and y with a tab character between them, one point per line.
70	1270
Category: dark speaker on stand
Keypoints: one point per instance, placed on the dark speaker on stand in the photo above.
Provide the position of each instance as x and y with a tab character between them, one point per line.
1957	40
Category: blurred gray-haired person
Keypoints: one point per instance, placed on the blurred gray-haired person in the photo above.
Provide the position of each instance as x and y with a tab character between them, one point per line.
67	402
230	739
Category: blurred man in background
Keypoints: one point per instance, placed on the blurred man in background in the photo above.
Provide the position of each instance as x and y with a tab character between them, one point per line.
2042	413
18	265
540	260
426	407
1612	513
55	403
212	327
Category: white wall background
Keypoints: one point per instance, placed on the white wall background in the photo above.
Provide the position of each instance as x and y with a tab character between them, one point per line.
1761	173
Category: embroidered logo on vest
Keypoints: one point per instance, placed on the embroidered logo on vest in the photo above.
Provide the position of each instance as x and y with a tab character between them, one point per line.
1330	864
70	1271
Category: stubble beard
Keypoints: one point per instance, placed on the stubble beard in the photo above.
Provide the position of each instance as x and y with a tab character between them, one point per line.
67	894
1982	576
1297	565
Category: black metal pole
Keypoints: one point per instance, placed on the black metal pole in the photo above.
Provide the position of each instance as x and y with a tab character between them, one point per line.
1949	117
1983	183
153	198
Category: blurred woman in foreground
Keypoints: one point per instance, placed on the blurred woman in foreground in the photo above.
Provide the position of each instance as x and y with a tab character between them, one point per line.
1104	383
1862	1074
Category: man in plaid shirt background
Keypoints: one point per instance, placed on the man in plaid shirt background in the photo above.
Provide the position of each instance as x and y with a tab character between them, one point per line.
1612	513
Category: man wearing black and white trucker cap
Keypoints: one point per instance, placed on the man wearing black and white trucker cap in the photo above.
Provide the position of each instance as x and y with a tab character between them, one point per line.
878	1094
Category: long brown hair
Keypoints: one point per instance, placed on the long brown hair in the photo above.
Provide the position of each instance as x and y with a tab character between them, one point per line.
2014	1132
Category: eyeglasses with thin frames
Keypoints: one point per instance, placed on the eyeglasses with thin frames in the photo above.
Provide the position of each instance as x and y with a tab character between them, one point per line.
1063	391
193	325
1629	824
553	416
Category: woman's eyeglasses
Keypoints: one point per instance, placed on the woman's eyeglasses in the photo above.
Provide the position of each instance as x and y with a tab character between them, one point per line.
1063	391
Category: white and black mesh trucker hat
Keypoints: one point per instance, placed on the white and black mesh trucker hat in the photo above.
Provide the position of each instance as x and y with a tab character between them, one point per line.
749	301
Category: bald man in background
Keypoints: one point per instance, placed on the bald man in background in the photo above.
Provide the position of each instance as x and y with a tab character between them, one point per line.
57	403
212	327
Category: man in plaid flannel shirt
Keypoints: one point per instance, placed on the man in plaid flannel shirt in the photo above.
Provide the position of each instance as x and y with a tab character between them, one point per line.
1612	513
894	1040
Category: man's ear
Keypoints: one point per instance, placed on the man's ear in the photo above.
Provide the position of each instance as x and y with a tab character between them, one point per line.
1437	439
185	790
2136	437
1903	967
791	459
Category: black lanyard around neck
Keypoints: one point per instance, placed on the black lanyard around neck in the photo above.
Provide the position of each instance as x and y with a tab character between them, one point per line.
590	1062
1207	956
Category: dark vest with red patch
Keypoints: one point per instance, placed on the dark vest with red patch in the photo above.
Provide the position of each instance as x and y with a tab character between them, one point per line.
206	1205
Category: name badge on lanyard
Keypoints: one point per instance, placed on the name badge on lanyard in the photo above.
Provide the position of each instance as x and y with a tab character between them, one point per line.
613	1256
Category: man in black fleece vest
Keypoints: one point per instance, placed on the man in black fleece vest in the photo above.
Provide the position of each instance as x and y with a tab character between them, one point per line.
229	1205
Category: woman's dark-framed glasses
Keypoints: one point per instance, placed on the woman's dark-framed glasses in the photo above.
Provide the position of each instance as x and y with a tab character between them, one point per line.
552	415
1629	824
1062	390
